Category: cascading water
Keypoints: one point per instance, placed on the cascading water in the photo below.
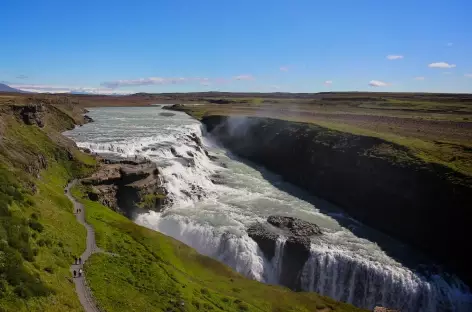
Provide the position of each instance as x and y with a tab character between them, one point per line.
277	260
213	202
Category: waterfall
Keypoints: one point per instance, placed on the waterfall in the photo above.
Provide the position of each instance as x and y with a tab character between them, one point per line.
213	217
365	283
276	263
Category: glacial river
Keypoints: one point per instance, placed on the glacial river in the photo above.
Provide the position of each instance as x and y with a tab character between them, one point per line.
214	201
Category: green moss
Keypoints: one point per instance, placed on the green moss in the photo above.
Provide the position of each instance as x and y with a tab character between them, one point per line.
143	270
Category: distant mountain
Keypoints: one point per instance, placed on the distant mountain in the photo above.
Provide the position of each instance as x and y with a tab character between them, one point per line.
5	88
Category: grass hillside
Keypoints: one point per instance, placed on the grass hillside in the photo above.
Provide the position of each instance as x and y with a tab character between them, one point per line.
39	236
143	270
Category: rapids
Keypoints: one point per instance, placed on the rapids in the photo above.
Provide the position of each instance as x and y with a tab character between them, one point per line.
213	202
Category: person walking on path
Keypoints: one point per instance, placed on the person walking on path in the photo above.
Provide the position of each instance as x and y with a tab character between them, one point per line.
75	273
83	292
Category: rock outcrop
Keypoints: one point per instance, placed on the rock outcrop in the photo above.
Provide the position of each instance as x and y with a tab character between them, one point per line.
40	163
295	226
126	186
33	114
396	193
296	249
88	119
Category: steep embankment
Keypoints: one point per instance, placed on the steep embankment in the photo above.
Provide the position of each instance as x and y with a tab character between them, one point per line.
38	231
377	182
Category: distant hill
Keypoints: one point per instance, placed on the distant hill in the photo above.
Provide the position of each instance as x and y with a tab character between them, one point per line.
5	88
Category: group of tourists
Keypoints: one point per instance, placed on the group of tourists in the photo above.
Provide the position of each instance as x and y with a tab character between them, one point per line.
80	271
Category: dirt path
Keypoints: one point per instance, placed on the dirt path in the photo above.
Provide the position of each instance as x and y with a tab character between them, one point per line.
83	291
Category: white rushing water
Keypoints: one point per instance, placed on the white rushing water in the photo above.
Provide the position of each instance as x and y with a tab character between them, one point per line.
213	202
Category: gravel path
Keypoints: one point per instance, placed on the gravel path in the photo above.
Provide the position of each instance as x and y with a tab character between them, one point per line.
83	291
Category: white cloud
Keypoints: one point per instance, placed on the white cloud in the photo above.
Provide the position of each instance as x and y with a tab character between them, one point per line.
394	57
377	83
419	78
441	65
67	89
151	81
449	44
284	68
328	82
468	75
243	77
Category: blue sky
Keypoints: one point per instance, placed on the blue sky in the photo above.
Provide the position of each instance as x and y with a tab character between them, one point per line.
240	45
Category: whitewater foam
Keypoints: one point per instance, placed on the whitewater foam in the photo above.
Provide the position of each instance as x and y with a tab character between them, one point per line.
212	217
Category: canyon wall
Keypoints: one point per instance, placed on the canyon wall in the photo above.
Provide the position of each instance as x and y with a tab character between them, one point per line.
377	182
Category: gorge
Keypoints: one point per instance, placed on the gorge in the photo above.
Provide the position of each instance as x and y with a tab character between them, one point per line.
215	199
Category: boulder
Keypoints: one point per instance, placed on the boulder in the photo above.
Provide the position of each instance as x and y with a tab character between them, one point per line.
88	119
196	139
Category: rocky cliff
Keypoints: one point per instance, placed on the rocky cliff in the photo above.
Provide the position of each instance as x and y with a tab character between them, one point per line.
377	182
126	185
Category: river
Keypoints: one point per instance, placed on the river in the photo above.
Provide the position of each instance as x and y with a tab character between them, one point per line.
214	201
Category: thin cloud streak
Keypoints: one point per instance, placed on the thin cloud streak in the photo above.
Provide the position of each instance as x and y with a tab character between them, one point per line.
441	65
394	57
419	78
328	82
37	88
377	83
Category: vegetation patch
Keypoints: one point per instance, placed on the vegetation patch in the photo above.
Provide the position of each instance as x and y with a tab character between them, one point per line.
39	236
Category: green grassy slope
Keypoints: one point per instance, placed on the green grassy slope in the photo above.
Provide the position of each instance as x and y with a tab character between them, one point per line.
38	233
143	270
